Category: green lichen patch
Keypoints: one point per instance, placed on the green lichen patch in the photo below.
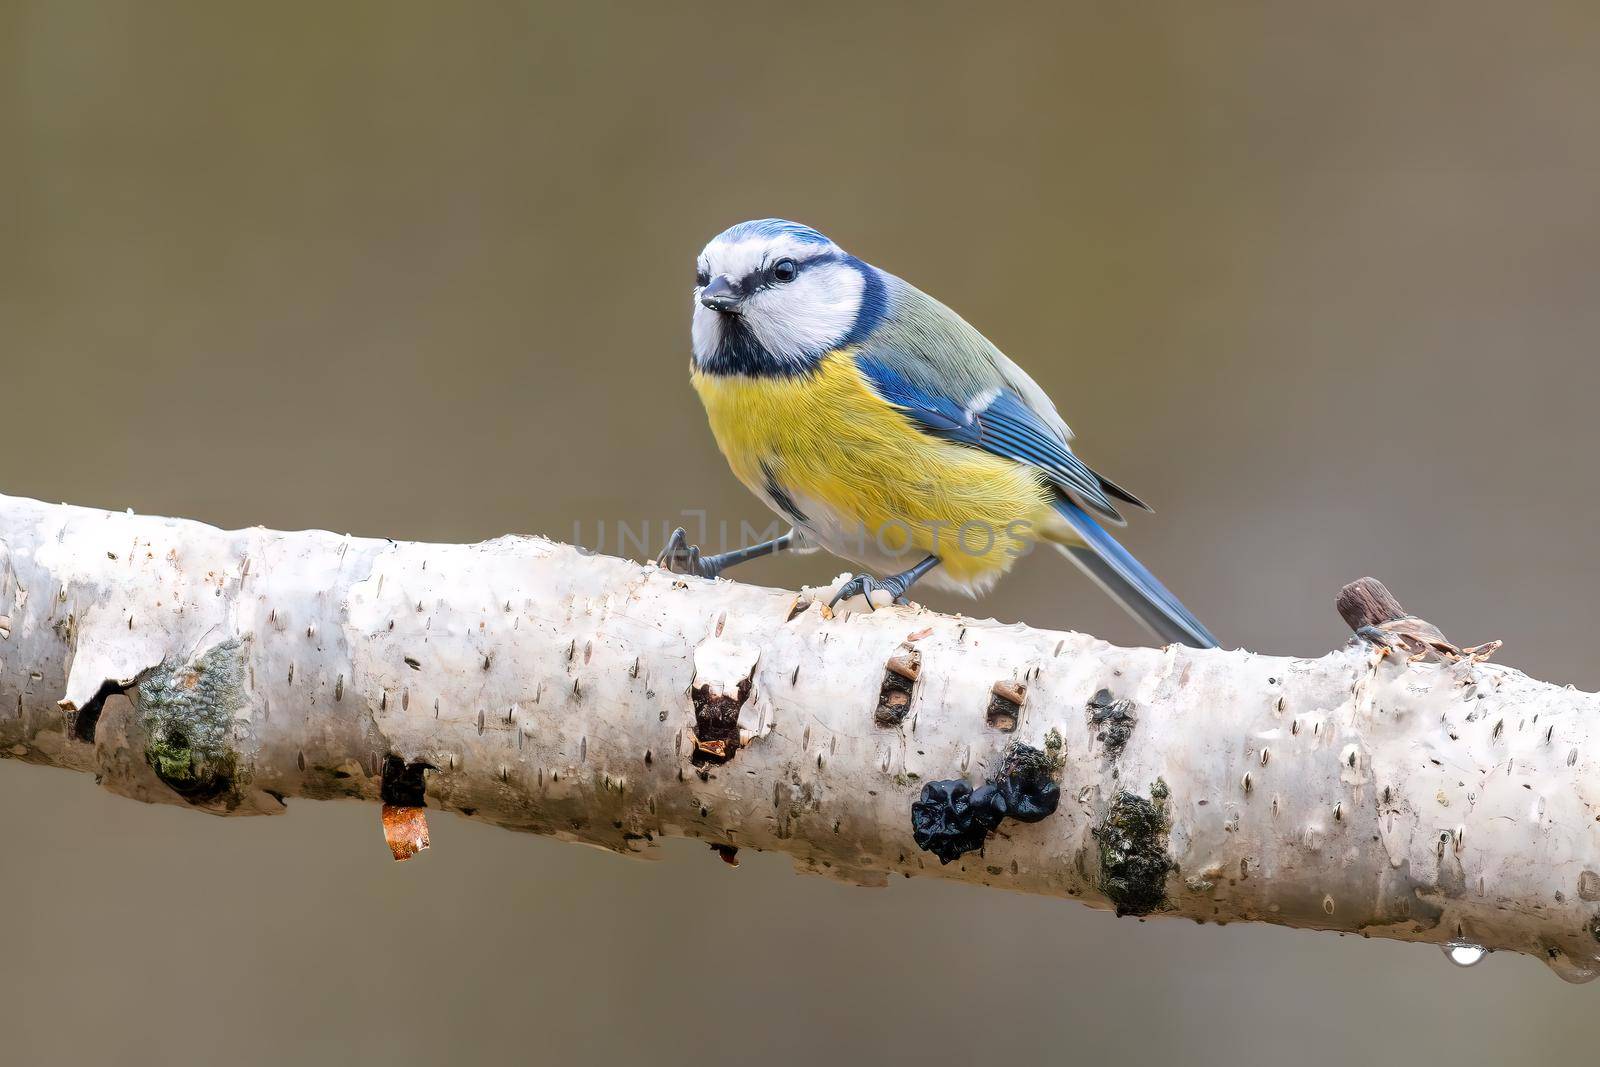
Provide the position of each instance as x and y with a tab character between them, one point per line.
1055	748
1026	762
186	713
1133	851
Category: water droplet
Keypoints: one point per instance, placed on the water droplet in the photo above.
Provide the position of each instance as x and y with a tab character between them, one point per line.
1463	953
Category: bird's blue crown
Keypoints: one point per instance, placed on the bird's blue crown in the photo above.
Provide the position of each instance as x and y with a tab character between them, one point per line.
770	228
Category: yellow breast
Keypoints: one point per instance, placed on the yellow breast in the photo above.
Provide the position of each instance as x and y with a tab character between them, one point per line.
832	444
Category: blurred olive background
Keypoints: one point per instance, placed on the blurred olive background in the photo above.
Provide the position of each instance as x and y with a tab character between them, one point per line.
1318	280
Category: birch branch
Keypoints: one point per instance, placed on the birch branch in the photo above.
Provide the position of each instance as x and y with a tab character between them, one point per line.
1395	788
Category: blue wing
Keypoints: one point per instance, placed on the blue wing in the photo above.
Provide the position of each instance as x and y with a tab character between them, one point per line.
996	420
1130	582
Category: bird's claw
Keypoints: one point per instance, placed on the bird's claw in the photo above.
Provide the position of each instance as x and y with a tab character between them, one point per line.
680	557
864	585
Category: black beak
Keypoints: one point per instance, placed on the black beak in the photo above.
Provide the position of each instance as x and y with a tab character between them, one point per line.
721	295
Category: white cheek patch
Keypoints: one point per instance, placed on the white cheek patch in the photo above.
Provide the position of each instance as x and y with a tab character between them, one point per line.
811	314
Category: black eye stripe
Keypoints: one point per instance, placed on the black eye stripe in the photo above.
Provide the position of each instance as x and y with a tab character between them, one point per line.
765	276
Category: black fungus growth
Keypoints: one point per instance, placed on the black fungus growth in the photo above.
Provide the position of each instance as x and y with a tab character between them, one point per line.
952	818
945	821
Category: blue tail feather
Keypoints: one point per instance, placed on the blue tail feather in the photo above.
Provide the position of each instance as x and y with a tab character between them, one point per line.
1129	583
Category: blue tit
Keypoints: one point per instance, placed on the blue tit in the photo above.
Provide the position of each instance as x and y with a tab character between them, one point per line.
890	432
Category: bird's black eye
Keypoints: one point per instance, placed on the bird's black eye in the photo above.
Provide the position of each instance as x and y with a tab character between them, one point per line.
701	275
785	270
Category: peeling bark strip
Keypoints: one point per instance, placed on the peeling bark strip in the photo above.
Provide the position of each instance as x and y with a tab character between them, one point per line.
1400	787
405	830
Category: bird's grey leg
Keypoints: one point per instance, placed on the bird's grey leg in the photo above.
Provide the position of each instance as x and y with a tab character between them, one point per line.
895	584
681	557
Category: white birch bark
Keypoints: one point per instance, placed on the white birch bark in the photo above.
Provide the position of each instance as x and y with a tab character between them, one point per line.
557	693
